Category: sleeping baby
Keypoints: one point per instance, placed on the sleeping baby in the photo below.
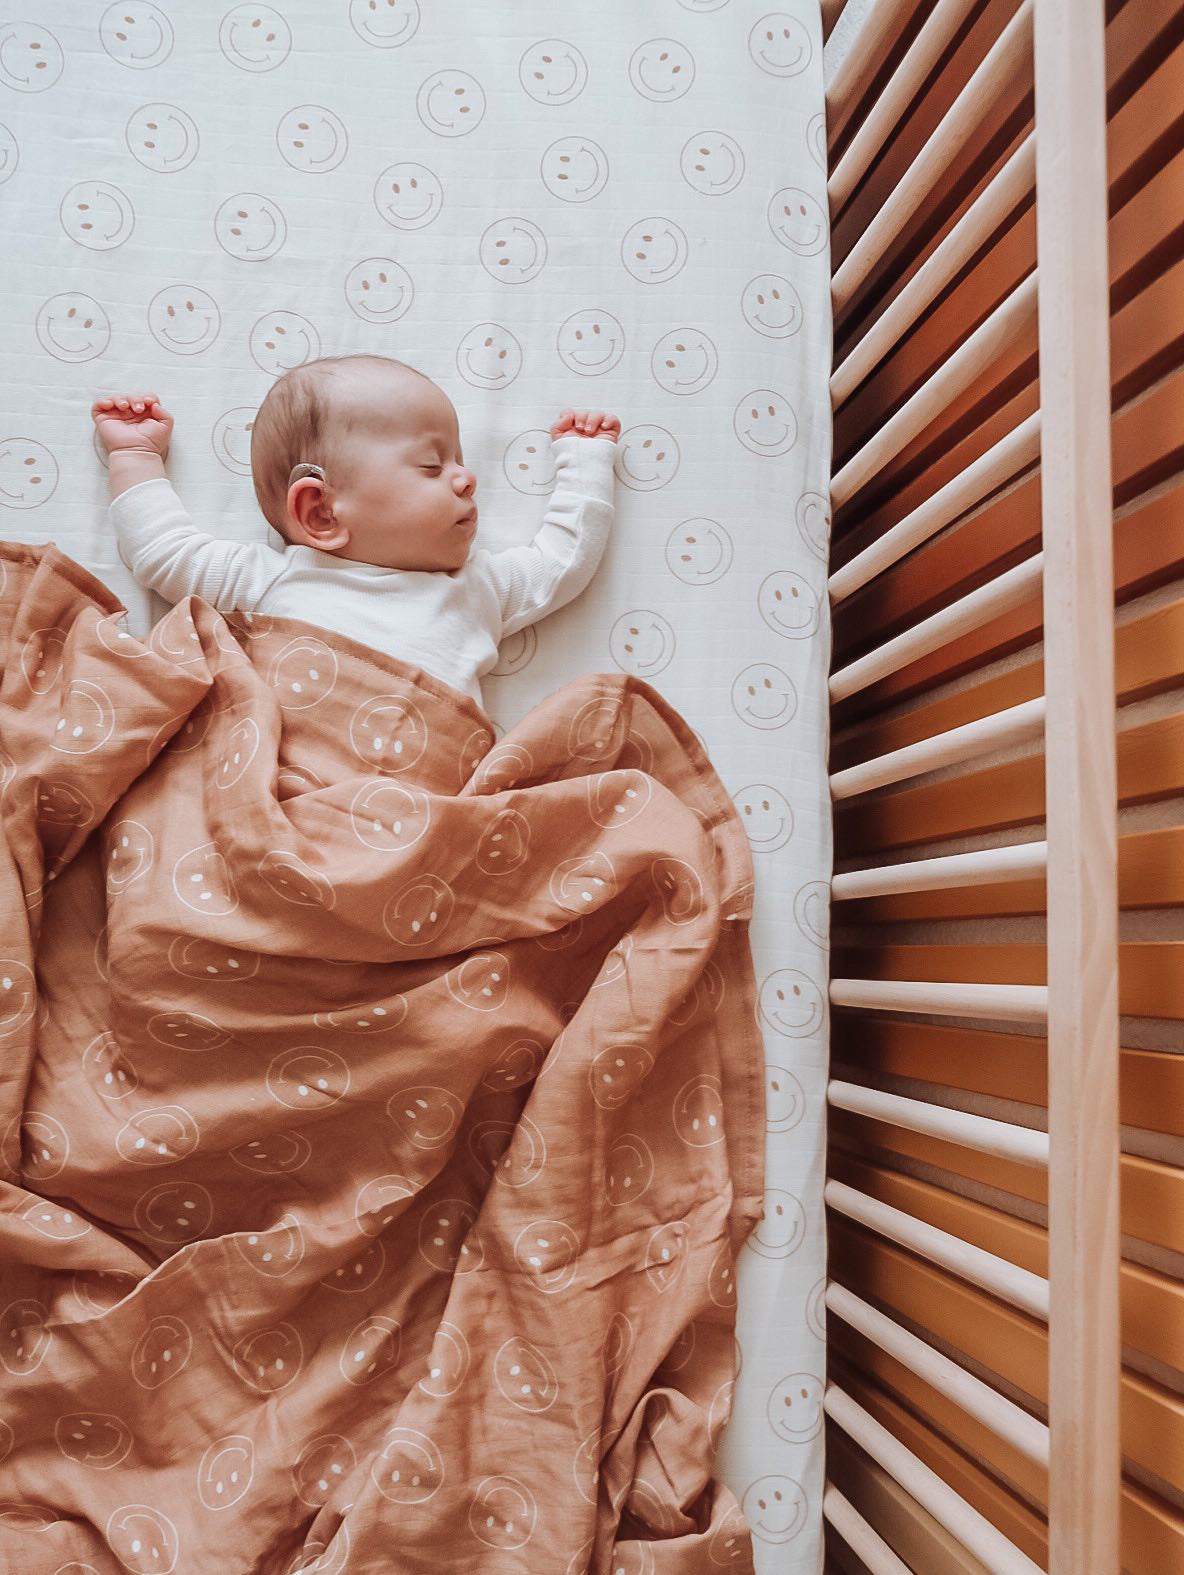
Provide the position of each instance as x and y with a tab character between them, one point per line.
357	463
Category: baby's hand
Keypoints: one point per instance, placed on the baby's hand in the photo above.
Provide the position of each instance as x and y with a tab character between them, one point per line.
582	423
132	421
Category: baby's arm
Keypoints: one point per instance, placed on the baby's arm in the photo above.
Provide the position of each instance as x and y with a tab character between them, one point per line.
554	568
157	539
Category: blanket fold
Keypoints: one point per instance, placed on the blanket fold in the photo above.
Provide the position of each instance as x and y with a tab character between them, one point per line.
381	1109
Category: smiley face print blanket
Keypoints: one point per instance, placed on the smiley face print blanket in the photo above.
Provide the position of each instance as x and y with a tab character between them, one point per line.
382	1109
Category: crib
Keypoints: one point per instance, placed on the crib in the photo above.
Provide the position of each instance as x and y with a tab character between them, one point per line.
979	1292
812	297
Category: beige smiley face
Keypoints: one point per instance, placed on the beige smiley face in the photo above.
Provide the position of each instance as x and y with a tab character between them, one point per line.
775	1507
73	327
798	221
765	424
781	1228
31	59
764	696
254	37
767	817
408	196
574	169
654	250
450	103
780	45
529	465
250	227
97	215
795	1408
138	35
662	70
513	250
385	24
28	473
312	138
590	342
489	356
771	306
184	319
379	290
553	72
789	605
785	1102
791	1003
712	163
282	340
684	361
647	458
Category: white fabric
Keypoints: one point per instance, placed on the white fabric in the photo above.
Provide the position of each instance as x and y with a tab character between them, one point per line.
207	193
450	624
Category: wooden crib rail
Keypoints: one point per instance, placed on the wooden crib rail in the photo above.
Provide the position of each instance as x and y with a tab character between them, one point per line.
1008	389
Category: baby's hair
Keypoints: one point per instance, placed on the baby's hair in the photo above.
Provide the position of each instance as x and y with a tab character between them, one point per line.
299	421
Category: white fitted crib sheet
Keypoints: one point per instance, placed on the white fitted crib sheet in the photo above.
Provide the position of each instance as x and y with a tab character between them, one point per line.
618	208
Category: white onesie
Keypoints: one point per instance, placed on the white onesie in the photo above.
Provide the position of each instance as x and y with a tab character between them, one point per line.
448	622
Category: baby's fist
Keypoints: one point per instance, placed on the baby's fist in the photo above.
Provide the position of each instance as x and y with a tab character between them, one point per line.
132	421
584	423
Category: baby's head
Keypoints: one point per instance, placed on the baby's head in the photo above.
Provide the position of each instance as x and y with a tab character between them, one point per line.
395	490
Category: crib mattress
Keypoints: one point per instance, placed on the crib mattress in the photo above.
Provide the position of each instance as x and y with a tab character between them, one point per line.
621	211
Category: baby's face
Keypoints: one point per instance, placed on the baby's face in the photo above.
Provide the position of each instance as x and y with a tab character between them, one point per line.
402	490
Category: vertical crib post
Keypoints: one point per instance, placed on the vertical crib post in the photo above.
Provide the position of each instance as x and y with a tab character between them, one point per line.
1080	787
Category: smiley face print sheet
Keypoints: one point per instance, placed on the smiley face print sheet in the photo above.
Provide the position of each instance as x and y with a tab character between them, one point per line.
623	209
